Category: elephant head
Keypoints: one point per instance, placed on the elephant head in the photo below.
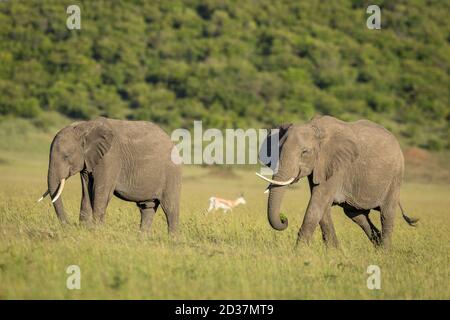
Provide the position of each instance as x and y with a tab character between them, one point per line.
77	147
312	150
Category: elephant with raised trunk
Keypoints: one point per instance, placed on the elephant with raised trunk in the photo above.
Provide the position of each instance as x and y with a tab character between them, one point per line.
130	159
355	165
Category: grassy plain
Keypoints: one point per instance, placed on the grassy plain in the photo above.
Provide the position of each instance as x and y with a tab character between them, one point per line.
217	256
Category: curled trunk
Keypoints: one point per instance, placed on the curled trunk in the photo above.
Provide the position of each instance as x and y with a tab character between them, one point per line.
286	172
273	208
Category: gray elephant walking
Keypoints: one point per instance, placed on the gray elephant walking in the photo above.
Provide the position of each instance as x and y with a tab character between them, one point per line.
130	159
356	165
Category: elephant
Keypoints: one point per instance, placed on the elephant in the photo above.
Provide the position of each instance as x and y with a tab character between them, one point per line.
357	165
130	159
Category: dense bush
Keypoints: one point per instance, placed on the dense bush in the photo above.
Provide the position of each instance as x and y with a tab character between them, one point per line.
230	63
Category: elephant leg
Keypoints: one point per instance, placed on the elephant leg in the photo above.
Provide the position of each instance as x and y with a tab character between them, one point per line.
376	234
170	206
101	200
387	224
361	218
104	181
86	205
102	193
387	213
328	232
148	210
320	202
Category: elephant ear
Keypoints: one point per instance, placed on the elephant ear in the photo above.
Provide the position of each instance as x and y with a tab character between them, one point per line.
97	142
283	130
266	147
337	151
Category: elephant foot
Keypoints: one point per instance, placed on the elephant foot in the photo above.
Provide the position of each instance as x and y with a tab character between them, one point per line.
174	237
385	245
66	225
63	221
144	230
332	244
330	240
144	235
98	220
87	224
301	243
376	243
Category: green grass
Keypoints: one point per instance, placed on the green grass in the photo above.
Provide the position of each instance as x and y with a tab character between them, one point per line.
215	256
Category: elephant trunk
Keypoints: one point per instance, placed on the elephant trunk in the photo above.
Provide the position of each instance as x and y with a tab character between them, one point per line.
288	172
54	184
276	194
273	208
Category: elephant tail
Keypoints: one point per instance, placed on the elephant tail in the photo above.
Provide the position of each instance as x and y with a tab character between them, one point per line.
411	221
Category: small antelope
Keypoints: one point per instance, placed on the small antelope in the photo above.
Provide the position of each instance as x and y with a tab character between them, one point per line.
226	205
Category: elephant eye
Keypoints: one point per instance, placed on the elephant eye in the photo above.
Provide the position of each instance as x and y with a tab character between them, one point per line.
305	151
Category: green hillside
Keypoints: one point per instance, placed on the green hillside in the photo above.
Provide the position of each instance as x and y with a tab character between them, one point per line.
230	63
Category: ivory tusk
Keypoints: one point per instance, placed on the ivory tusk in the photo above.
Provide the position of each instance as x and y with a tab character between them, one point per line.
279	183
60	190
44	195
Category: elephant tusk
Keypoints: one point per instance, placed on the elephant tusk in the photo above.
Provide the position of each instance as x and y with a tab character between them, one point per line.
267	190
60	190
279	183
44	195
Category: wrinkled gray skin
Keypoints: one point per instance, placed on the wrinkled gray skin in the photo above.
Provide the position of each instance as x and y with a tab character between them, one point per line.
130	159
356	165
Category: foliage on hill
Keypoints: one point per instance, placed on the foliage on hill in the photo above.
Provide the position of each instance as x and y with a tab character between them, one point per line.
230	63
